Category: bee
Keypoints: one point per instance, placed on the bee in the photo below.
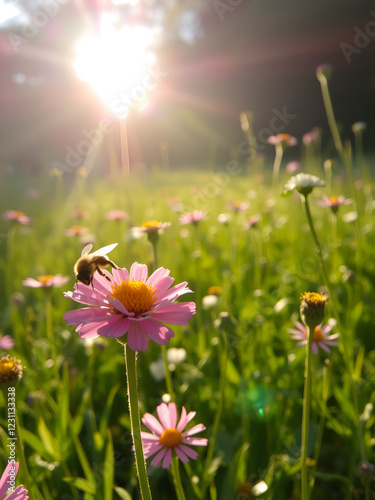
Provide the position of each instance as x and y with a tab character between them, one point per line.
88	263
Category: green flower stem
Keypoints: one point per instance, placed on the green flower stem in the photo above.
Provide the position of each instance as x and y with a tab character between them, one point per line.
276	165
194	485
49	328
332	120
10	259
153	239
154	244
131	375
177	479
215	427
333	217
319	438
168	378
29	484
198	293
342	345
306	413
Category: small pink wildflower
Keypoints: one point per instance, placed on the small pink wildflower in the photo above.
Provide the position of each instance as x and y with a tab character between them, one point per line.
283	139
117	215
320	337
76	231
168	437
192	217
128	302
6	342
16	216
151	226
46	281
334	202
6	480
238	206
251	221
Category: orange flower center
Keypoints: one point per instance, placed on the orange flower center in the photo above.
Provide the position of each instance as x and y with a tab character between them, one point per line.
151	223
78	229
46	277
284	137
333	199
214	290
171	438
16	213
318	334
136	296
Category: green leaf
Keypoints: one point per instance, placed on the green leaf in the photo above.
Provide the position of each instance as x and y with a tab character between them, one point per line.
108	469
81	484
123	494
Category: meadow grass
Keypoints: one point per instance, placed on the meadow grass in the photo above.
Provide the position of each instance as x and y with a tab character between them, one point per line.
243	374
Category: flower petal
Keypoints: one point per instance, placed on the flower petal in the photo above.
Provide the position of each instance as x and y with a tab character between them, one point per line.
163	414
116	327
4	485
159	457
87	315
196	441
181	455
185	419
152	423
159	333
167	458
175	314
158	276
194	430
137	337
138	272
189	452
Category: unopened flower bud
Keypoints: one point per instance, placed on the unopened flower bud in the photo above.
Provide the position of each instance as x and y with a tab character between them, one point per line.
312	308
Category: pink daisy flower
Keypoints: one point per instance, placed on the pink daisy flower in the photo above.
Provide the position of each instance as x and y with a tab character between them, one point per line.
76	231
192	217
7	480
251	221
129	302
320	337
46	281
6	342
168	436
283	139
151	226
334	202
238	206
16	216
117	215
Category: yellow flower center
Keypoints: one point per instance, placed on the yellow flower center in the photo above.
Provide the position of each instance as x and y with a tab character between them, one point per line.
136	296
333	199
151	223
318	334
46	277
284	137
171	438
7	365
214	290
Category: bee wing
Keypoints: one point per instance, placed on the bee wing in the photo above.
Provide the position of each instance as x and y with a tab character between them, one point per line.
86	249
103	251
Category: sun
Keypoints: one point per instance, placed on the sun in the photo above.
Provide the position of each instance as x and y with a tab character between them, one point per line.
118	65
